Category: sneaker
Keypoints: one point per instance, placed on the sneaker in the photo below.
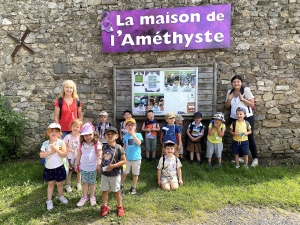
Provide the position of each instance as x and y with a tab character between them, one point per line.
147	160
246	166
63	200
120	211
93	201
79	187
122	190
104	210
220	165
82	201
237	166
49	204
68	188
254	163
191	161
199	163
210	165
133	191
241	160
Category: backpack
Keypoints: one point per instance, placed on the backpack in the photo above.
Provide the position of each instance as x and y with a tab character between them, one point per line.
107	124
234	123
60	103
242	92
191	130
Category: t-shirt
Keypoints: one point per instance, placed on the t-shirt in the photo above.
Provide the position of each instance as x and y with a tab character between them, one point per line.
100	128
133	151
151	124
170	133
68	114
72	143
240	127
111	155
169	169
54	160
214	138
197	130
89	156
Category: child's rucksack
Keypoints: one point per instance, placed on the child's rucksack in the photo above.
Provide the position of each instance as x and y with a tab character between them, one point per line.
192	128
60	103
107	124
234	123
242	92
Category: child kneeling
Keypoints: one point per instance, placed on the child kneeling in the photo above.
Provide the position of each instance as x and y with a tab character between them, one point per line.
169	169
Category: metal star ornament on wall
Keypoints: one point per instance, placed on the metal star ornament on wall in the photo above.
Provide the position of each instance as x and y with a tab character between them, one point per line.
20	43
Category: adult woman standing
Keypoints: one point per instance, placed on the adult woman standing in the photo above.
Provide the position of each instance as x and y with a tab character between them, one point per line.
67	107
241	96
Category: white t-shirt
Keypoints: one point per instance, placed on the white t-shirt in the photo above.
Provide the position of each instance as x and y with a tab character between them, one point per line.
54	160
236	102
72	143
88	159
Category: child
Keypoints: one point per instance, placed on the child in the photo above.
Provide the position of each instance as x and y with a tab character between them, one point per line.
132	145
195	133
113	158
178	122
169	169
126	115
54	173
150	126
90	149
240	129
216	130
170	131
72	143
102	126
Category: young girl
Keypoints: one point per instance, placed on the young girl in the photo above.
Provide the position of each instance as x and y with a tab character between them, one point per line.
72	142
54	150
90	149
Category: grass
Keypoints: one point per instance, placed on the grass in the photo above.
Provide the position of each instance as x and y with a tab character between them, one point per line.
23	195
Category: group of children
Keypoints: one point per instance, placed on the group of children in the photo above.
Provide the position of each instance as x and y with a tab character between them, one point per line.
91	150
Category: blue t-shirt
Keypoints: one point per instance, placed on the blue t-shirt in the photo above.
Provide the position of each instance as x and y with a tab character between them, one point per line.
132	150
170	132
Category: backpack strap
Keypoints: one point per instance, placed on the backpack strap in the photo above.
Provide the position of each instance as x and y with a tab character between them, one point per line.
163	164
234	123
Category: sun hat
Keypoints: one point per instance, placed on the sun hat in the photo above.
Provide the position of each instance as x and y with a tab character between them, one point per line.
241	109
169	142
219	116
111	128
87	128
170	115
54	125
130	120
103	113
179	117
198	114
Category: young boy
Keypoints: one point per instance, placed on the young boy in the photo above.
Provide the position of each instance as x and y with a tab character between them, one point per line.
102	126
113	157
132	144
179	123
170	131
195	132
216	130
150	126
169	169
126	115
240	129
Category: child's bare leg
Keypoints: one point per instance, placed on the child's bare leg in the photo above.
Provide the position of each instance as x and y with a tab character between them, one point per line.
68	180
134	180
85	189
174	186
50	189
147	154
191	156
245	159
104	197
166	186
153	154
78	177
236	158
92	190
220	160
60	188
198	156
118	197
123	178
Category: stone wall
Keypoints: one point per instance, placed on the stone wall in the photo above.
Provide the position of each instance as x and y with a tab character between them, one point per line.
66	39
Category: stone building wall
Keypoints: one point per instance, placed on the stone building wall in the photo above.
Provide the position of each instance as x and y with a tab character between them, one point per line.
66	39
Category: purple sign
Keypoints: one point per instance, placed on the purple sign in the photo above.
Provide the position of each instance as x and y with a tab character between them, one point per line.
185	28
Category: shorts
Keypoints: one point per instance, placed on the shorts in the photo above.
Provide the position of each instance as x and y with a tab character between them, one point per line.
71	168
176	153
58	174
150	144
110	183
240	147
193	147
134	165
88	177
169	180
212	148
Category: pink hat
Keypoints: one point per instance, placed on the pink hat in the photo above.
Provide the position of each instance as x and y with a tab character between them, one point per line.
87	128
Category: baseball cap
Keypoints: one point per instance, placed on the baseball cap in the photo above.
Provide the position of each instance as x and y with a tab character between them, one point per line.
179	117
219	116
111	128
87	128
130	120
198	114
54	125
241	109
169	142
103	113
170	115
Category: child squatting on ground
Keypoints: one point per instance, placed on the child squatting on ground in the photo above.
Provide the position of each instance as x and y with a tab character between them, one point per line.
132	144
216	130
72	143
113	158
240	129
54	150
169	169
89	158
150	126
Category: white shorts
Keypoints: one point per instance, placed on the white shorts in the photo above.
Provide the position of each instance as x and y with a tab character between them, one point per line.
214	148
133	166
110	183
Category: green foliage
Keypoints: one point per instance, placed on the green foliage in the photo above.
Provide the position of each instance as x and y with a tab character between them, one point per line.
12	125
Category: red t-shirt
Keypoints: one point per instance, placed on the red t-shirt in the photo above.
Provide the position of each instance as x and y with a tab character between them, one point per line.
68	114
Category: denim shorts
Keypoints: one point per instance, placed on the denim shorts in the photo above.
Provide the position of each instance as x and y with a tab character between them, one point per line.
240	147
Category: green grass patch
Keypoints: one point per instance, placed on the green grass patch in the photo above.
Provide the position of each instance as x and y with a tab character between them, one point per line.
205	190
